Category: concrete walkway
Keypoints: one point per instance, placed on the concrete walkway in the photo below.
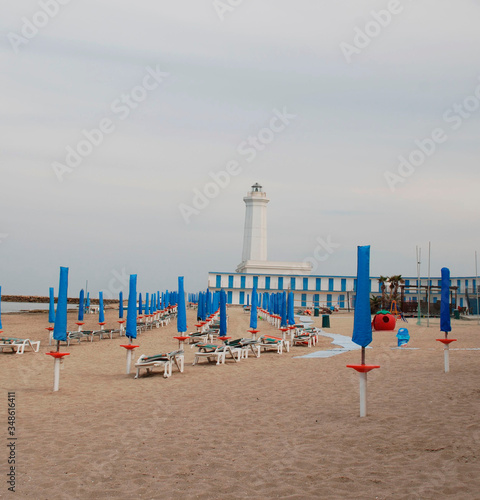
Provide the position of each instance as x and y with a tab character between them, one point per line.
343	341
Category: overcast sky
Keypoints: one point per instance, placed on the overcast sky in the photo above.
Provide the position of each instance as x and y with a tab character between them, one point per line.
190	88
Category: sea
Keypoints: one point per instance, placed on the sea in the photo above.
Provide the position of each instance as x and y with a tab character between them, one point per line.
8	307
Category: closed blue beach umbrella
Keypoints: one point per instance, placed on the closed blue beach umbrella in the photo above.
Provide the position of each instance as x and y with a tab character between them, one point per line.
207	303
81	305
203	314
445	324
253	310
182	310
147	306
60	327
131	328
223	314
283	322
291	313
51	307
88	300
101	312
140	305
120	305
362	322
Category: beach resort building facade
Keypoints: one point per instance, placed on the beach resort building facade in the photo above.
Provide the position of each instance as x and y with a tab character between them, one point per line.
255	270
331	291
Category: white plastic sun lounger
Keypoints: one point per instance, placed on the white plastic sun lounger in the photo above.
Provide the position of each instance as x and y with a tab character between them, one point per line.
165	361
19	345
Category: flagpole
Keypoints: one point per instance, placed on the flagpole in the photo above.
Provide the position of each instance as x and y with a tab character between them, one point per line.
476	286
419	253
428	286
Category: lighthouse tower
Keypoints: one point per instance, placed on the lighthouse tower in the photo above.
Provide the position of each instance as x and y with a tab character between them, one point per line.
254	255
255	232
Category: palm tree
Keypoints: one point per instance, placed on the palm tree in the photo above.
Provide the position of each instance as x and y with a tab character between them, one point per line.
382	280
395	282
375	304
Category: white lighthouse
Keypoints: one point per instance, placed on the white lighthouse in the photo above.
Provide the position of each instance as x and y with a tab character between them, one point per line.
254	255
255	232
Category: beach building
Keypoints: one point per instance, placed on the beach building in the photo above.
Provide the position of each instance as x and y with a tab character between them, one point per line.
312	290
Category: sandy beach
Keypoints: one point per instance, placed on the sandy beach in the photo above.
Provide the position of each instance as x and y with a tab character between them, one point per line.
280	426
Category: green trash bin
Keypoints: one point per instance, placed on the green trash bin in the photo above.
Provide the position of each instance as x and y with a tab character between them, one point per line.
456	314
316	312
325	321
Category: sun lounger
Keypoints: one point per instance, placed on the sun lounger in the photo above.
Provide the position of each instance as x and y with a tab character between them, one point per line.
97	333
76	335
165	361
196	337
242	346
270	343
19	345
212	352
304	339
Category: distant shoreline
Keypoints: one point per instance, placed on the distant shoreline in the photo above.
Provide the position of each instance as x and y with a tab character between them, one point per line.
38	299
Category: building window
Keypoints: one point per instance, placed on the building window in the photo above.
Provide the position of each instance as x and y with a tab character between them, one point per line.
267	283
330	284
230	282
407	284
318	284
305	283
229	297
255	281
218	283
355	285
280	283
315	299
292	283
329	300
242	298
474	286
344	285
341	301
304	300
242	281
459	284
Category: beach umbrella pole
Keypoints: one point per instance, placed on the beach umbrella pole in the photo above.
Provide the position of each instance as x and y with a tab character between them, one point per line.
56	374
363	394
446	351
129	358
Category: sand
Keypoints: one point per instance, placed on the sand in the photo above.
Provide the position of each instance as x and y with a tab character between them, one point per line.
274	427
